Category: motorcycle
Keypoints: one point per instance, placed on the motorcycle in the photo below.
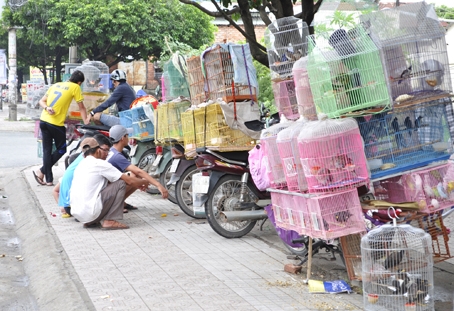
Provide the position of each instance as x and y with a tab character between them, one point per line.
182	170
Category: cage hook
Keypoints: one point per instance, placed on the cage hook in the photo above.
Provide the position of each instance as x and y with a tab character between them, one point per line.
393	217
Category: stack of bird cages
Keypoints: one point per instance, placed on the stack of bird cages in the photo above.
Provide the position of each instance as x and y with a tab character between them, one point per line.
142	122
168	125
413	47
286	42
207	127
305	101
324	217
230	74
285	98
397	269
287	144
332	155
275	170
351	250
406	139
431	187
346	73
196	81
175	78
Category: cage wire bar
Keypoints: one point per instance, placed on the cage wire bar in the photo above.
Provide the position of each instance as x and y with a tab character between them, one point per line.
196	80
413	47
286	42
346	73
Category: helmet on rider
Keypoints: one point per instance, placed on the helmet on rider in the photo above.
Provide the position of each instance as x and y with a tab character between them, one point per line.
118	75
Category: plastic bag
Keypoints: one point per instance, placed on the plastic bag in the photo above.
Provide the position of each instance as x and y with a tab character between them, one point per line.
257	167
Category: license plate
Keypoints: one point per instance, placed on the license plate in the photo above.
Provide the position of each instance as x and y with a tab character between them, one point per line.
174	166
200	184
157	160
133	150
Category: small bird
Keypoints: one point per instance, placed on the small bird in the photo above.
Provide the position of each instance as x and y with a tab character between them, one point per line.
418	123
397	135
405	74
394	259
342	216
324	177
408	125
427	188
395	125
441	191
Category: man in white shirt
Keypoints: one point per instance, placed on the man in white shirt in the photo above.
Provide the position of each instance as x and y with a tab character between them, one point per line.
98	189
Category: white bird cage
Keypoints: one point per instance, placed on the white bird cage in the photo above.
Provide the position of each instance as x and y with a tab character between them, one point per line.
332	155
274	168
397	269
103	84
304	98
286	42
413	48
92	77
287	144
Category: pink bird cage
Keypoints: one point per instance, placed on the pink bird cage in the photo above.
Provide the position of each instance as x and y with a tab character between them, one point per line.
285	98
332	155
305	101
287	143
289	213
274	168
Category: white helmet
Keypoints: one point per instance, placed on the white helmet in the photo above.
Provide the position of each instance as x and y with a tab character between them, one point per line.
118	75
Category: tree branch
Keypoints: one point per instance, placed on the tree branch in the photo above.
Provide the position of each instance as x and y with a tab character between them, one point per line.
210	13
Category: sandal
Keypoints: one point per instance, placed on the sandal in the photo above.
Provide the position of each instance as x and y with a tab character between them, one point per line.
115	226
125	211
130	207
39	180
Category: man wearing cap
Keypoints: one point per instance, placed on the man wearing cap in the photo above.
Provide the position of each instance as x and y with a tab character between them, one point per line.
98	190
120	138
62	188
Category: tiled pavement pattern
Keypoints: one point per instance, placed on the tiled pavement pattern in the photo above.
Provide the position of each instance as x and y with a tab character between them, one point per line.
179	263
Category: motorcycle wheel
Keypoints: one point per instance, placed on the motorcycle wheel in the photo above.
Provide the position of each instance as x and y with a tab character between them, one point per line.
295	249
225	193
145	162
183	192
164	178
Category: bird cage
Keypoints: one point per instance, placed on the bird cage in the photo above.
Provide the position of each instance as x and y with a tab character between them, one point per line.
104	76
230	74
196	80
413	46
287	144
193	124
92	77
168	120
286	42
142	122
351	250
429	188
408	138
332	155
274	167
325	217
346	73
397	269
305	101
175	77
285	98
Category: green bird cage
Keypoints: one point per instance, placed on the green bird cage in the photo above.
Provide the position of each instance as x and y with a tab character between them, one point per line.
346	73
176	78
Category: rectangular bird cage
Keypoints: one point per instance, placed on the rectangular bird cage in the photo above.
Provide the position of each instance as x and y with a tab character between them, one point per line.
175	78
207	127
406	139
142	122
287	144
125	118
168	120
196	80
324	217
286	42
346	73
351	250
397	269
431	188
413	47
274	168
230	74
304	98
285	98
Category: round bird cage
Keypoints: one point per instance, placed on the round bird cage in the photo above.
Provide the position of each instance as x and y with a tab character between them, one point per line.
332	155
397	269
304	99
92	77
104	76
274	168
286	42
287	144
